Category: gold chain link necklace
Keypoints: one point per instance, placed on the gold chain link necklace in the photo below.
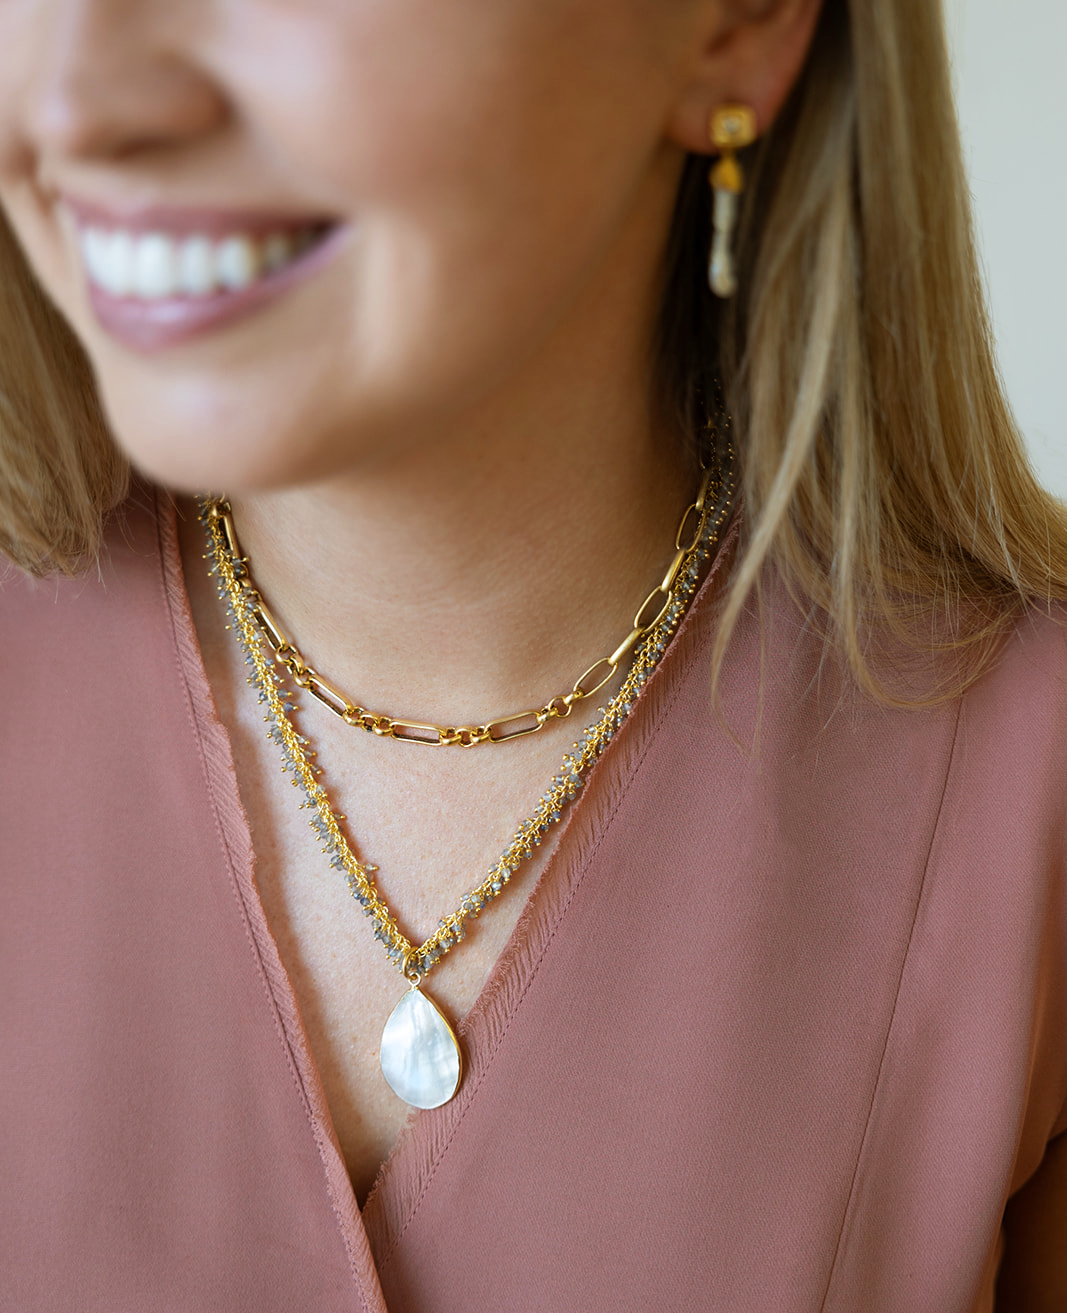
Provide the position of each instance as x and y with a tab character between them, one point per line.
504	728
420	1056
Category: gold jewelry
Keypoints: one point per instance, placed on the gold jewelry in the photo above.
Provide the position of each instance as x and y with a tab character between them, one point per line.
504	728
732	128
420	1055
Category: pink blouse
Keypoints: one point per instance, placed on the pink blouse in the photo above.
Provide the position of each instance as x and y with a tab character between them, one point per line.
780	1028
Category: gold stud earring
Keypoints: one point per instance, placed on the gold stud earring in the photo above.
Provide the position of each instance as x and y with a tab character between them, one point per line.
732	128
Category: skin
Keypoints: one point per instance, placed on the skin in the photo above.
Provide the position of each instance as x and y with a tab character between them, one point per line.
444	459
443	456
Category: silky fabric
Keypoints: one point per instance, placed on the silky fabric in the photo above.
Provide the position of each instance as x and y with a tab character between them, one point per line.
780	1029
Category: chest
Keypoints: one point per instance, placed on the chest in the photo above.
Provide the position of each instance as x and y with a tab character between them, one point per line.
432	822
345	986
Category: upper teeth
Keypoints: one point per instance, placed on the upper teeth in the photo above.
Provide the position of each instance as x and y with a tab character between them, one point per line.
154	266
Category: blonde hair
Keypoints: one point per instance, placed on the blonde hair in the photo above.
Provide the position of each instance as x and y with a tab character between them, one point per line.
884	477
60	472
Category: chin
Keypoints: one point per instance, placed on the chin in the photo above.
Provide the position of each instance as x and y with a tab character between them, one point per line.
193	436
195	458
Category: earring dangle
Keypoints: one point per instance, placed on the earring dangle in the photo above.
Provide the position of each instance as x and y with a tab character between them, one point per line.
732	128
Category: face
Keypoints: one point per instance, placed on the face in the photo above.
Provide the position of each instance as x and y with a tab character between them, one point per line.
296	234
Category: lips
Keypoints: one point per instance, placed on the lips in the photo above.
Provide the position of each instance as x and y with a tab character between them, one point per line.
158	278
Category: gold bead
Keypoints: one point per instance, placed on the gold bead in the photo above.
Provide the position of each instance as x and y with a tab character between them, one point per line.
725	175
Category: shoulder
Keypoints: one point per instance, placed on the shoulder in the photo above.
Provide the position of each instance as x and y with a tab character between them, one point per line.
1006	786
62	636
1036	645
133	549
1017	710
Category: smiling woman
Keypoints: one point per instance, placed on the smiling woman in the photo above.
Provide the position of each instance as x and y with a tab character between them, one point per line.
361	371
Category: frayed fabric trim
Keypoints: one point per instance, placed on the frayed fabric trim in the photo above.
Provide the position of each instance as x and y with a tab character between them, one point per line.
409	1172
236	839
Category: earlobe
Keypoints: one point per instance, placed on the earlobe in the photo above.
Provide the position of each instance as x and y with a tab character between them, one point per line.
754	61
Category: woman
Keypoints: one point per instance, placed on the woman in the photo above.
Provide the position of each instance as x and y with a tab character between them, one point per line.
775	1020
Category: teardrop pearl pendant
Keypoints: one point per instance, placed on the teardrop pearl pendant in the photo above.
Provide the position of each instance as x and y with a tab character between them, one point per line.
420	1055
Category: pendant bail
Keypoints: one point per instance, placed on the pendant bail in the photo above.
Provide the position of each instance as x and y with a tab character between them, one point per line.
410	973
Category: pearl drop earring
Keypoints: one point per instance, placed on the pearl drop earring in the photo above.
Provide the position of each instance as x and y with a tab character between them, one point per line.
732	128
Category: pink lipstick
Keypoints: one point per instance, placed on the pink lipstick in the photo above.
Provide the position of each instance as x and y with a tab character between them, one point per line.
161	276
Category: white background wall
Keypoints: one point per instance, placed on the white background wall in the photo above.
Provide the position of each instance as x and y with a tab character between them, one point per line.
1011	81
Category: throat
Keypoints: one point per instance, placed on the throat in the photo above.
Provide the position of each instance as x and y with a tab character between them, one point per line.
461	618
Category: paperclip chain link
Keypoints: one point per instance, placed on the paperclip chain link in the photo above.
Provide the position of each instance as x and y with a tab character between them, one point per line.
504	728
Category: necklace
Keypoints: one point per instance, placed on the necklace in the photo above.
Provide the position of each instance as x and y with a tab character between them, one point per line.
420	1056
504	728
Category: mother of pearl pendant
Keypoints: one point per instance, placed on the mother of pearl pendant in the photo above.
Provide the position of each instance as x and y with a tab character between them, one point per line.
420	1055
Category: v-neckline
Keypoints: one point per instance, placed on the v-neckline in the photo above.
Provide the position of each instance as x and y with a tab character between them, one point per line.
371	1233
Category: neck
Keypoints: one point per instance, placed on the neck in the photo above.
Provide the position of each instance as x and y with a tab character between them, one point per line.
477	573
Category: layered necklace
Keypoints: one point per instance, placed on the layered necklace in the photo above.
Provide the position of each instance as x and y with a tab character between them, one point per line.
420	1056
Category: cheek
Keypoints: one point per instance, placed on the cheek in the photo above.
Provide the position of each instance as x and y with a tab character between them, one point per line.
19	35
484	155
484	151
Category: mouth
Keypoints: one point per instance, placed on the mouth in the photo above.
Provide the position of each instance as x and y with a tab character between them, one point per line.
164	277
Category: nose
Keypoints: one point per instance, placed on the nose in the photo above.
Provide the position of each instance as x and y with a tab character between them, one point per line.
115	77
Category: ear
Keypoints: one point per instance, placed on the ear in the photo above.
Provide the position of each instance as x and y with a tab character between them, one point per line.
747	52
